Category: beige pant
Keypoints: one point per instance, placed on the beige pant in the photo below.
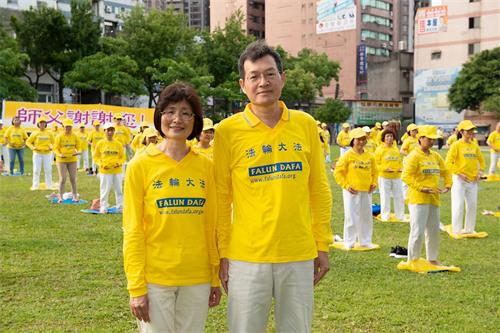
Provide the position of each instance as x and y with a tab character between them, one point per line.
424	220
252	287
176	309
63	168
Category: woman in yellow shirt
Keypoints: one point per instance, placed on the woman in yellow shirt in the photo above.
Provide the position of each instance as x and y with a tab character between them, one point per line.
94	137
4	151
356	173
494	143
370	146
139	137
204	145
343	139
150	136
422	171
169	247
15	138
41	143
390	166
84	148
66	149
466	163
411	142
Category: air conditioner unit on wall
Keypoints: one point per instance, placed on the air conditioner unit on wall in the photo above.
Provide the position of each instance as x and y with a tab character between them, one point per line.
108	9
384	45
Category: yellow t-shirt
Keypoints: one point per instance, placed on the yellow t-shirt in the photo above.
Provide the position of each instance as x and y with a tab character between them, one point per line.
2	137
424	170
67	146
94	137
465	158
389	158
84	144
494	141
451	139
109	156
343	139
123	134
276	180
358	171
208	152
326	136
41	142
169	221
409	145
16	137
404	136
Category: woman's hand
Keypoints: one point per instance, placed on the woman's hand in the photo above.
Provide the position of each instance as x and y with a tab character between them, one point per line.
224	273
444	190
352	190
140	307
428	190
214	298
372	188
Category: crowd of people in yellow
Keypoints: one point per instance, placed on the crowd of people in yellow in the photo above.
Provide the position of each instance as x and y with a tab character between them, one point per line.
189	227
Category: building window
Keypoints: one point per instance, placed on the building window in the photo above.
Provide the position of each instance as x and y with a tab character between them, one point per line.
473	48
377	4
367	18
363	96
436	55
474	22
377	51
12	2
474	0
369	34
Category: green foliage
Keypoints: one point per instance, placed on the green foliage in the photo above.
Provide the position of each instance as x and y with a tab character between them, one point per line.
333	111
12	66
110	73
491	104
85	30
299	87
478	81
323	69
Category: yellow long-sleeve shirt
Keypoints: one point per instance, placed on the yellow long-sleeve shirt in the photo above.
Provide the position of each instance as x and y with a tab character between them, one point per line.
276	180
84	144
208	152
94	137
378	140
358	171
324	142
494	141
65	147
15	137
370	146
41	141
109	156
137	142
424	170
326	136
343	139
374	133
2	135
169	219
389	158
466	159
451	140
409	145
123	134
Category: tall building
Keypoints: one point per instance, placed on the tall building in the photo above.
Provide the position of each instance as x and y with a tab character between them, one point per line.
197	11
254	12
446	36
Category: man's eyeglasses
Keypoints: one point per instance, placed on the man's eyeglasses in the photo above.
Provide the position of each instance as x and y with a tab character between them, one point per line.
183	115
256	77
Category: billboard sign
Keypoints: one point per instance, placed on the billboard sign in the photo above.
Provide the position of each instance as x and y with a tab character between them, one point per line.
432	19
362	65
368	112
335	15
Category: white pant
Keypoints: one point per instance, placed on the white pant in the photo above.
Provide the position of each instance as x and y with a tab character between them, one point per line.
42	161
392	187
176	309
358	219
424	219
344	150
463	192
85	157
6	157
493	162
252	287
107	182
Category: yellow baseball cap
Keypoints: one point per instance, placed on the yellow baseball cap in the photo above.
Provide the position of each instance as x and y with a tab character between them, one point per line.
96	123
465	125
378	125
411	127
428	131
357	133
42	118
345	125
366	129
118	116
208	124
67	122
144	124
323	125
150	132
385	123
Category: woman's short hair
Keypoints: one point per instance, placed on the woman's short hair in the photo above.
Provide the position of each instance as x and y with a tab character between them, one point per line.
174	93
387	131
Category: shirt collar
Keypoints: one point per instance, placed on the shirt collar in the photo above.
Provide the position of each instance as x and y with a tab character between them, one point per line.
152	150
253	120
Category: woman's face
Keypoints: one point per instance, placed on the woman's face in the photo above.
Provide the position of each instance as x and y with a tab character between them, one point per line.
469	134
42	125
414	133
207	136
16	121
152	139
389	139
426	143
67	129
177	121
359	143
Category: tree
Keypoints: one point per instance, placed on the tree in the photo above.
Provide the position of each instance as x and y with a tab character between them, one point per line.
150	37
324	69
333	111
478	81
492	104
12	66
113	74
299	87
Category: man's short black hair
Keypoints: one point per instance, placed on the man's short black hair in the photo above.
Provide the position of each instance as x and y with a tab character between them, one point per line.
255	51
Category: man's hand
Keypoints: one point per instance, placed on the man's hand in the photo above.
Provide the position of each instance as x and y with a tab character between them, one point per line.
224	273
372	188
140	307
214	298
321	266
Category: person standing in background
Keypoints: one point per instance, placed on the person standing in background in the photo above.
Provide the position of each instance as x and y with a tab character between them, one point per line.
94	137
84	149
4	150
343	139
494	143
15	138
41	142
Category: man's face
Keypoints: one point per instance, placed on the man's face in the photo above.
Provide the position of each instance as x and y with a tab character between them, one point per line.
262	82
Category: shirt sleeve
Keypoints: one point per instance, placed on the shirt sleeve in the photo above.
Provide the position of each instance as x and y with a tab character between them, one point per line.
451	157
374	172
320	196
31	140
210	225
134	249
445	172
57	146
480	157
224	192
340	172
410	169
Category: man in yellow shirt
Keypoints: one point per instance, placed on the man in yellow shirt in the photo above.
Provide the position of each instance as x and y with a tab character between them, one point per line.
452	138
84	149
270	169
94	137
139	137
109	156
15	138
123	134
4	151
343	139
494	143
41	143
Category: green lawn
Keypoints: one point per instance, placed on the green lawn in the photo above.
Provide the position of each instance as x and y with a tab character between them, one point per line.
61	270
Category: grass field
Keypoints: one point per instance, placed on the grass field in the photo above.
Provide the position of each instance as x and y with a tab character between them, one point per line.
61	271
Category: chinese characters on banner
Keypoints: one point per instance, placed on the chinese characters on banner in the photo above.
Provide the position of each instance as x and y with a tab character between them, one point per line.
335	15
80	114
432	19
362	76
